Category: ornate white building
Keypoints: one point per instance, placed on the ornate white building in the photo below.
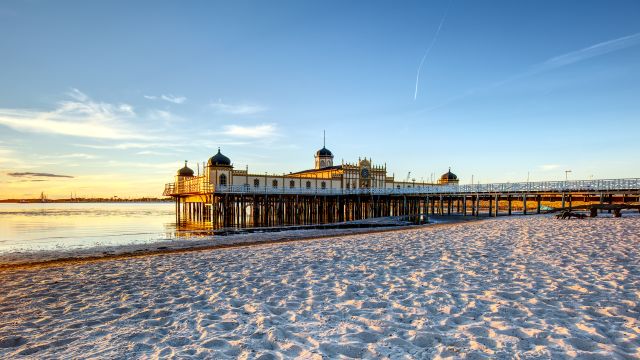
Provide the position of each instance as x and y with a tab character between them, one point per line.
219	173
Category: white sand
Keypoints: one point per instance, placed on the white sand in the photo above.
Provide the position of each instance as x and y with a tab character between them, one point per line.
527	287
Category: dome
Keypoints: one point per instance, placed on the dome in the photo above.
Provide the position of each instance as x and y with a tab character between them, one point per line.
185	171
219	160
448	176
324	152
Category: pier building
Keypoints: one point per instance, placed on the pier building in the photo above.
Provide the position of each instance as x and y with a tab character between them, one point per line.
323	193
220	173
224	196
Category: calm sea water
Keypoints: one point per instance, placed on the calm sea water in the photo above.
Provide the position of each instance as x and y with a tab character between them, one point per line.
51	226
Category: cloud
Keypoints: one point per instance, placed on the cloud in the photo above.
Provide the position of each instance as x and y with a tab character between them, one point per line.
81	117
549	167
576	56
36	174
70	156
149	152
592	51
169	98
553	63
130	145
254	132
237	109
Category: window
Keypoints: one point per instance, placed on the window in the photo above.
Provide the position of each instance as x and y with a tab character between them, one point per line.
323	185
223	180
308	184
292	184
274	183
256	183
398	186
348	185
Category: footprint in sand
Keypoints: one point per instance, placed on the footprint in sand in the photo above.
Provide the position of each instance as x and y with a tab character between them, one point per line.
12	341
214	344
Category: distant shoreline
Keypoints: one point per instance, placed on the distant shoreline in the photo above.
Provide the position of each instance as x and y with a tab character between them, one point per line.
76	201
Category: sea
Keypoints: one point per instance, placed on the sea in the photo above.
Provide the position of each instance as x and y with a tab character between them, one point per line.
63	226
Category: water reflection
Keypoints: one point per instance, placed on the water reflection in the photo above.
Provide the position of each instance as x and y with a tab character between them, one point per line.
57	226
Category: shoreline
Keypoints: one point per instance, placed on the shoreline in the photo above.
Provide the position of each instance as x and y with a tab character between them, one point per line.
199	246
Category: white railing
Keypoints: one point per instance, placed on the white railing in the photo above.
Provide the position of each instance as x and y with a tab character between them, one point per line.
523	187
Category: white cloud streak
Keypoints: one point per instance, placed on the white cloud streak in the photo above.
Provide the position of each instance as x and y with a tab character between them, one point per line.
130	145
80	117
237	109
169	98
253	132
70	156
424	57
592	51
549	167
553	63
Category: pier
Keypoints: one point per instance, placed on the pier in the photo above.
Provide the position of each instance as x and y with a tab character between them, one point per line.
199	201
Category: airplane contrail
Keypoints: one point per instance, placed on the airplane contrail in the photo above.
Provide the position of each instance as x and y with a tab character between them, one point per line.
435	38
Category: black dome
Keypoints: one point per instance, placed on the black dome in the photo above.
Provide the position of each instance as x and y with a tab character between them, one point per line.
219	160
324	152
185	171
449	176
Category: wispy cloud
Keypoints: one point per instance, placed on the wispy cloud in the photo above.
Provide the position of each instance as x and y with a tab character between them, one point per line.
254	132
70	156
37	174
129	145
150	152
169	98
576	56
426	52
549	167
553	63
237	109
592	51
80	117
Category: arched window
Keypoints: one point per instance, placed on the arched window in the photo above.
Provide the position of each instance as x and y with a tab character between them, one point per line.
223	180
321	163
292	184
308	184
323	185
274	183
398	186
256	183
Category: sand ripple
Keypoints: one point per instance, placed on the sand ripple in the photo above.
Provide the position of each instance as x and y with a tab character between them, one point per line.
519	287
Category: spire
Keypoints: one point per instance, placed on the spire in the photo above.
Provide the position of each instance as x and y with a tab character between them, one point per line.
185	163
324	138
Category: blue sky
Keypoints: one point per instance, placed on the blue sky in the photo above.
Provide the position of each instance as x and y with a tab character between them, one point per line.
118	94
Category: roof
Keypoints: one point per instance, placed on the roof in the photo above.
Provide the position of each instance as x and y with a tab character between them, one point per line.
185	171
219	160
449	176
336	167
324	152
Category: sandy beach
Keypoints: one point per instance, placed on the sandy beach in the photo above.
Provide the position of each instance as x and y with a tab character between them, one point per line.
523	287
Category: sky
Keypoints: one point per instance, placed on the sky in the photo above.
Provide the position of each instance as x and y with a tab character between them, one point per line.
108	98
